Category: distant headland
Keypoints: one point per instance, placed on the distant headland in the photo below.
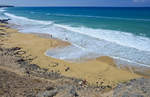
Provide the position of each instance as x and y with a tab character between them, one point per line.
6	6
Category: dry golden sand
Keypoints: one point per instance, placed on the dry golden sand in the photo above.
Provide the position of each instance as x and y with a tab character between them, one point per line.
100	71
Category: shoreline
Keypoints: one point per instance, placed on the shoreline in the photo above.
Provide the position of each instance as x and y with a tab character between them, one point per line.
127	63
131	63
93	71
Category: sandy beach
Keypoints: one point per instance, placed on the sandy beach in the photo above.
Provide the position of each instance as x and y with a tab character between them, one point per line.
98	77
100	71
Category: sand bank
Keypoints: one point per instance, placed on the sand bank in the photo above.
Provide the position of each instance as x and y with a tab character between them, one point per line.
101	71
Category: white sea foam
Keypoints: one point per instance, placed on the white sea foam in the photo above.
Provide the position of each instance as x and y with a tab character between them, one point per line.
121	38
2	9
88	41
24	20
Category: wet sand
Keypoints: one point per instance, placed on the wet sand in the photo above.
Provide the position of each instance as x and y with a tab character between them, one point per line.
98	72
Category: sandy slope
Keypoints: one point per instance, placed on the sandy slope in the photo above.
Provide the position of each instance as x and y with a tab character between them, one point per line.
100	71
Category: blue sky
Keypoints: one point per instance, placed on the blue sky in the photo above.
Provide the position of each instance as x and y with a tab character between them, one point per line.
120	3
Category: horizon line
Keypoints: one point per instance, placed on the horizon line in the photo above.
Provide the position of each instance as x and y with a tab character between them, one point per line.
81	6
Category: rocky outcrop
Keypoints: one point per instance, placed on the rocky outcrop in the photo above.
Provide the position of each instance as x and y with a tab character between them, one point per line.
134	88
5	21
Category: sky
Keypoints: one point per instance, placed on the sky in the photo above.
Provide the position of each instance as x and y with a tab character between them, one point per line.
112	3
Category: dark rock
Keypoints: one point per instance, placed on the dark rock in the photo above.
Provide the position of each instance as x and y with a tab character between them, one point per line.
1	49
34	67
5	21
67	68
21	61
15	48
1	34
49	88
28	72
109	87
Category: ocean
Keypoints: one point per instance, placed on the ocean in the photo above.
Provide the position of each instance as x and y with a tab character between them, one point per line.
121	33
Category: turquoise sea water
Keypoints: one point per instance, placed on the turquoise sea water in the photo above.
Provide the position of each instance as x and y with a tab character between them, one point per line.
122	33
